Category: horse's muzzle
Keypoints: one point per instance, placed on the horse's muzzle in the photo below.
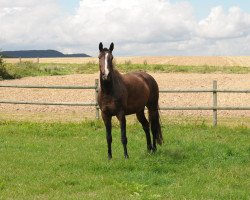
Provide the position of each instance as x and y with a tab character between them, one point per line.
105	77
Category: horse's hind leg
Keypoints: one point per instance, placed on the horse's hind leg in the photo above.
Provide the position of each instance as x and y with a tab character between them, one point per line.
155	125
145	124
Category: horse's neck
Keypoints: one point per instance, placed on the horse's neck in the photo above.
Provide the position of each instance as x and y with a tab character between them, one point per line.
106	87
111	87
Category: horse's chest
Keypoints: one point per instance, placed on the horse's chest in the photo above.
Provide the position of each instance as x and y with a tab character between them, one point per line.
109	105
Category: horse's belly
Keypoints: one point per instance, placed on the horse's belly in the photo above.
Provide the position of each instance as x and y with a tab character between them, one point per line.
136	101
132	110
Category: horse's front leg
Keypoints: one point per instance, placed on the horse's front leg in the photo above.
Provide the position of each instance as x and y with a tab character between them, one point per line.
107	121
122	120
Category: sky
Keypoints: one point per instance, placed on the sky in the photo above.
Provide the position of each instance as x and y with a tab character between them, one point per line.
137	27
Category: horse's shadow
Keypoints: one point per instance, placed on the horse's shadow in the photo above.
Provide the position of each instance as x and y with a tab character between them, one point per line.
175	154
171	155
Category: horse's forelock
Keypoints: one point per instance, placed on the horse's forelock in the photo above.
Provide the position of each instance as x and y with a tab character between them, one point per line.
103	53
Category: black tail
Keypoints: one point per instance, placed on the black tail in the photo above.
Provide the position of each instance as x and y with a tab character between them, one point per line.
154	120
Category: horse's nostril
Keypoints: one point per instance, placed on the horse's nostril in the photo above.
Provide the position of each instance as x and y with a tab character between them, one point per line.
104	77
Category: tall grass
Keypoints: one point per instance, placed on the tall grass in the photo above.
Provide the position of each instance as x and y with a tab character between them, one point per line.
28	68
127	67
69	161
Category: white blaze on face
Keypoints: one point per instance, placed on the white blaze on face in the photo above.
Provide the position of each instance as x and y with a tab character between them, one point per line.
106	70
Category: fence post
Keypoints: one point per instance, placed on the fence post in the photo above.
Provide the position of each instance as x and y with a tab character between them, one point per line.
96	96
37	59
214	103
20	59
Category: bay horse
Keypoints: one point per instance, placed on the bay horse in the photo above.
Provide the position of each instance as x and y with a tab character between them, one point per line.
124	94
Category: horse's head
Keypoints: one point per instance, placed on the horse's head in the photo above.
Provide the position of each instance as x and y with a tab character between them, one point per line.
105	61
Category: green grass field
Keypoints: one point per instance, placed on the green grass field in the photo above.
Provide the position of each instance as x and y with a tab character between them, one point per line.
25	69
69	161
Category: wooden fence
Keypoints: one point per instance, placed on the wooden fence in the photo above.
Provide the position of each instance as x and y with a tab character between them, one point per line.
213	90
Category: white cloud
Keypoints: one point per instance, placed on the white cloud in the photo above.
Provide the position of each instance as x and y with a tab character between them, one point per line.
141	27
33	25
131	22
219	24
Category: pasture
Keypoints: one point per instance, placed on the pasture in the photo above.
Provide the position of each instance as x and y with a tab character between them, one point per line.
69	161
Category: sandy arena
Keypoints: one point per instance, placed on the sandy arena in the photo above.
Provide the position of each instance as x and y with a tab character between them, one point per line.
165	80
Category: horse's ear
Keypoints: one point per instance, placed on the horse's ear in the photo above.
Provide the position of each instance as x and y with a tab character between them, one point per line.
100	46
111	48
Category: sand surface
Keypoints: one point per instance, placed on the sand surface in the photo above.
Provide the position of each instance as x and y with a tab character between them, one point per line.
165	81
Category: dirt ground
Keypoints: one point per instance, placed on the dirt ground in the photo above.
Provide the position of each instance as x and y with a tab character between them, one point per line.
165	81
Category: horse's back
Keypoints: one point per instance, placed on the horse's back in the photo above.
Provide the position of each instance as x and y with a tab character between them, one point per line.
141	79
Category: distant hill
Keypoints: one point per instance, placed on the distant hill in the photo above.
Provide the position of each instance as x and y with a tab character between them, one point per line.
39	54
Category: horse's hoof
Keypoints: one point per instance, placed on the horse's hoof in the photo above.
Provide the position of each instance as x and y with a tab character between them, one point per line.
153	150
126	156
109	157
149	150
